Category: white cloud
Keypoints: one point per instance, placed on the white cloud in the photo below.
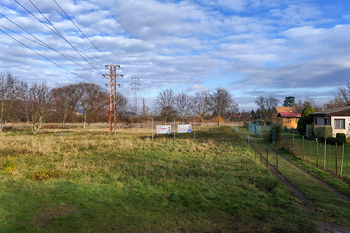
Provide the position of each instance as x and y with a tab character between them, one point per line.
260	43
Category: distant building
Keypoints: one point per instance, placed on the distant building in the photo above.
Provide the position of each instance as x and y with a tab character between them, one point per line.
287	116
338	118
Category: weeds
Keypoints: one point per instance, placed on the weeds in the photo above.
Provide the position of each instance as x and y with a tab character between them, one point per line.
9	164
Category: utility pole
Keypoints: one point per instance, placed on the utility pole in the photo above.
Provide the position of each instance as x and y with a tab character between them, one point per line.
113	96
135	86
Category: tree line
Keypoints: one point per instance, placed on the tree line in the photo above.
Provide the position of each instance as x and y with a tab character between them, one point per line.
34	103
169	104
267	105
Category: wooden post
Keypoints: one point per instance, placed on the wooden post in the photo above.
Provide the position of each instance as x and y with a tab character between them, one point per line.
267	159
250	147
276	166
255	151
152	127
342	161
336	160
260	156
316	152
303	150
194	128
325	152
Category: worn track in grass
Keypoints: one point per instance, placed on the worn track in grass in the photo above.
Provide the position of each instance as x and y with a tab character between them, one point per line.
334	190
323	227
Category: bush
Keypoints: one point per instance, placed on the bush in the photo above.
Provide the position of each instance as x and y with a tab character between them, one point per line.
325	131
341	138
321	139
331	140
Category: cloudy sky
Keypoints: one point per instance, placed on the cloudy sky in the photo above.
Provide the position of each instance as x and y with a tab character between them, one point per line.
252	48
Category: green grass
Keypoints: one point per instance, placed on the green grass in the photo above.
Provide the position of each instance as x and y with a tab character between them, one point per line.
314	152
325	205
90	181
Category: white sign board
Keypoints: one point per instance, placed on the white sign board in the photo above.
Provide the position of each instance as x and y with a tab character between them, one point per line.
163	129
184	128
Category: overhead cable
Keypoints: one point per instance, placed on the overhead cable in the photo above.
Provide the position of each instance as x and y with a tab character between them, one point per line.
82	32
44	56
60	35
45	45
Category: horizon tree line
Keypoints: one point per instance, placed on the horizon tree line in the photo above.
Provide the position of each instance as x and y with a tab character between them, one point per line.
201	105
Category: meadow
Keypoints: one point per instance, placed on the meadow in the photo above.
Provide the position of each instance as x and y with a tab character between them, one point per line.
90	181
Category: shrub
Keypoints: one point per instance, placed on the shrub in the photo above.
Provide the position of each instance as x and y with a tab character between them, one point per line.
321	139
331	140
341	138
325	131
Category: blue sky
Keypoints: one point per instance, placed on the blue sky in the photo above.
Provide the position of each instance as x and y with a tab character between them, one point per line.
252	48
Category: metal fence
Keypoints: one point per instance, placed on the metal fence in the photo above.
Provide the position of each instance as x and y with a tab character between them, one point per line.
331	158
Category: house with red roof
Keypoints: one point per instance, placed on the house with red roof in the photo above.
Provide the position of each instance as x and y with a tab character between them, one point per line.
287	116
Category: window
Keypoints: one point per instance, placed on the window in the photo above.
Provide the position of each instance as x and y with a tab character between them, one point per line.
288	120
339	123
327	121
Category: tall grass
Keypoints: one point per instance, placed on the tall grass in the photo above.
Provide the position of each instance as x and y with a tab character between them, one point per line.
92	181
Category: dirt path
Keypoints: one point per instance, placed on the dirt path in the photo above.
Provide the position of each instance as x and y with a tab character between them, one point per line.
334	190
323	227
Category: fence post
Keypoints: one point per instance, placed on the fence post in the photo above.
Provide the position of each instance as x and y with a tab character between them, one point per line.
255	151
303	150
276	166
152	127
325	152
250	147
267	159
336	160
174	129
194	128
342	161
316	152
260	156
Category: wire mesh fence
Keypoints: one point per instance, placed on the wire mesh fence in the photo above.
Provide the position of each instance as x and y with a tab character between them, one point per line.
331	158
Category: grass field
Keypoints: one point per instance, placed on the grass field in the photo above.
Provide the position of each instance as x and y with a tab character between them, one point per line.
325	205
91	181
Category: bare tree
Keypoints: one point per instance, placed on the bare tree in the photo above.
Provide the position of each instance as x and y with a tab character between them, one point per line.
343	94
65	101
266	105
220	100
183	105
201	105
334	103
164	103
36	100
122	103
93	100
9	93
300	105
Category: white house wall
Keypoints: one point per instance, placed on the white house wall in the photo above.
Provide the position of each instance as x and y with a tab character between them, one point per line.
346	131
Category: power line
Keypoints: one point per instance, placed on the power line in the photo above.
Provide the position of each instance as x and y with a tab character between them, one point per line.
59	34
45	45
45	57
82	32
